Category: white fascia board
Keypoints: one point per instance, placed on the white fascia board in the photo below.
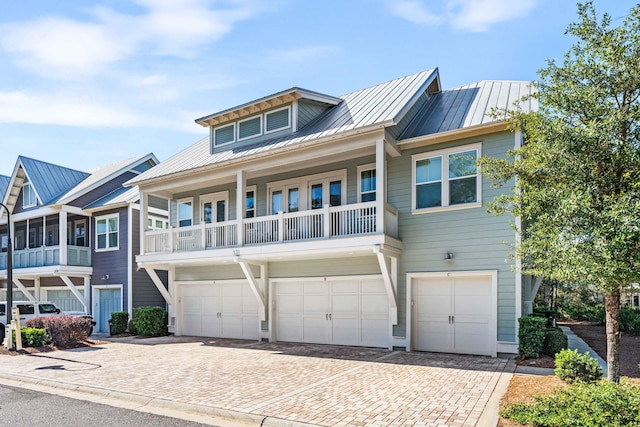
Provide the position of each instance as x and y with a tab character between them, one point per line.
451	135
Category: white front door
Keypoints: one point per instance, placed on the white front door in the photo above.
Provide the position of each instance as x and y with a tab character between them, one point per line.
453	314
341	311
225	310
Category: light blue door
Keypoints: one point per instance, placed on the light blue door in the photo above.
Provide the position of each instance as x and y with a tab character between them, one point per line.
110	301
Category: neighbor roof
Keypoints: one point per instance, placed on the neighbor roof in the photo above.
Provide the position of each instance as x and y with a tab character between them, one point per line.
373	107
467	106
50	181
4	183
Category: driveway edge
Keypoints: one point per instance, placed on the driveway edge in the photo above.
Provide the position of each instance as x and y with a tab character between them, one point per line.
491	413
187	411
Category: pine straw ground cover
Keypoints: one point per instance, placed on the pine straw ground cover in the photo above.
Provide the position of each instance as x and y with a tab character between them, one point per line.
522	388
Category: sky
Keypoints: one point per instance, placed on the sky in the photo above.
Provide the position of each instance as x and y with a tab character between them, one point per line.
88	83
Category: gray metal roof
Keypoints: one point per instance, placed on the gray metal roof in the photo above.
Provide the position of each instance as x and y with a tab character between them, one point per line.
4	183
102	174
120	196
50	181
467	106
376	106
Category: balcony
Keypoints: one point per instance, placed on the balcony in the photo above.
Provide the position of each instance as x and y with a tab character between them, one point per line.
47	255
327	223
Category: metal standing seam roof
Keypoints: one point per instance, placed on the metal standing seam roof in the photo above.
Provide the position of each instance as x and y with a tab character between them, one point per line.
378	105
117	197
4	183
467	106
98	175
50	181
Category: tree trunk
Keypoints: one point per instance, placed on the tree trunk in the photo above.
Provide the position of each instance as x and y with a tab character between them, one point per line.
612	309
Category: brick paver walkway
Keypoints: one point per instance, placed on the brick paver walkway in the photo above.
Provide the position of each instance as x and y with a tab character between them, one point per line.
322	385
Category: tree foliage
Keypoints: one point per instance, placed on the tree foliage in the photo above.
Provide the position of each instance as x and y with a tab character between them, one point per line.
578	174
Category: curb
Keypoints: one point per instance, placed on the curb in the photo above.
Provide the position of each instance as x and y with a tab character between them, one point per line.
187	411
491	413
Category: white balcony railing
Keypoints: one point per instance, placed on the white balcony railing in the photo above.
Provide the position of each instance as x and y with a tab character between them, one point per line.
328	222
47	255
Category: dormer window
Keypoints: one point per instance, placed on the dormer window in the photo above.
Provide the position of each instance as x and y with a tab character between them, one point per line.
28	195
224	134
277	120
249	128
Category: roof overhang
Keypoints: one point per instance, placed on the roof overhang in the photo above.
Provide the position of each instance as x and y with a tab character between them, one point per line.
266	103
468	132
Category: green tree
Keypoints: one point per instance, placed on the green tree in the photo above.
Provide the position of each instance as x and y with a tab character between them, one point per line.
577	188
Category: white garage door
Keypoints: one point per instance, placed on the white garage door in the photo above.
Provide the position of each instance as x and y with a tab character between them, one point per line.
453	315
342	312
225	310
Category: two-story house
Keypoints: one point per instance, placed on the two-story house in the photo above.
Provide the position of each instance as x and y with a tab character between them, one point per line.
354	220
74	237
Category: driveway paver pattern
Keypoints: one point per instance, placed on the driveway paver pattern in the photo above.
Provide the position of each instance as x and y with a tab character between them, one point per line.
315	384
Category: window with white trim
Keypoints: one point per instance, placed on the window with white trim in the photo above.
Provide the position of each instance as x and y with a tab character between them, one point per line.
308	192
28	195
107	232
185	212
214	207
367	183
446	178
277	120
224	134
249	128
155	223
250	202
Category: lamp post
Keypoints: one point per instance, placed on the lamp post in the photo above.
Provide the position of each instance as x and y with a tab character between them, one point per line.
9	269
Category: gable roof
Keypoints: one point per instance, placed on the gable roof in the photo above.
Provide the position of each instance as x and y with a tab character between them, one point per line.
4	183
119	197
103	174
48	180
367	109
468	106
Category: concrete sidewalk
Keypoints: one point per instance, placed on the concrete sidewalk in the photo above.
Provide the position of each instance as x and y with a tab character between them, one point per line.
232	382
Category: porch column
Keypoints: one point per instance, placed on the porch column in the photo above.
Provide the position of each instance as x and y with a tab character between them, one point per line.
36	288
144	219
240	204
44	231
381	193
63	236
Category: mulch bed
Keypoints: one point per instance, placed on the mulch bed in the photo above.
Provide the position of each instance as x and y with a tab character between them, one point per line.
49	348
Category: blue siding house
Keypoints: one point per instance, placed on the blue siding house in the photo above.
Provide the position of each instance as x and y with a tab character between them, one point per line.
354	220
72	235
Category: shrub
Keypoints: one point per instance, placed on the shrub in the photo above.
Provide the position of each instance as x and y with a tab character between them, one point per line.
118	322
32	337
64	330
132	327
572	366
593	313
548	314
597	404
150	321
555	341
630	321
531	336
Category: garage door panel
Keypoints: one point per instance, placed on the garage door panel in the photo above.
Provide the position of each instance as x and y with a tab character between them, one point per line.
343	312
453	314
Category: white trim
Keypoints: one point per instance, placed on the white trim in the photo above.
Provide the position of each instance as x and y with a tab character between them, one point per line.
518	272
248	189
303	183
266	132
27	183
95	312
107	248
213	198
444	178
363	168
178	220
130	256
213	134
493	274
237	136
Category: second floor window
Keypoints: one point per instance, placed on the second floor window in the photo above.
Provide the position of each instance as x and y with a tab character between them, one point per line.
107	232
28	195
185	213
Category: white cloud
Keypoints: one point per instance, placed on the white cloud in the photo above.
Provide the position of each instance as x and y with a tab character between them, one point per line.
465	15
61	47
479	15
414	11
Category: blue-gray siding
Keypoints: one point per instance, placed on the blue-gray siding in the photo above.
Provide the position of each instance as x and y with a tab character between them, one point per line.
103	190
144	291
309	111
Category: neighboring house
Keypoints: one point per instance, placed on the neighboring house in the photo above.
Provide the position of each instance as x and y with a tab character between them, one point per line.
74	237
631	296
354	220
4	183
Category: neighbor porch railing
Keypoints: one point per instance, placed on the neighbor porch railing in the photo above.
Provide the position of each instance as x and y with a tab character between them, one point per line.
328	222
47	255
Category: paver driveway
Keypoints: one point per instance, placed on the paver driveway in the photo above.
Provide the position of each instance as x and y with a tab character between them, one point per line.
316	384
